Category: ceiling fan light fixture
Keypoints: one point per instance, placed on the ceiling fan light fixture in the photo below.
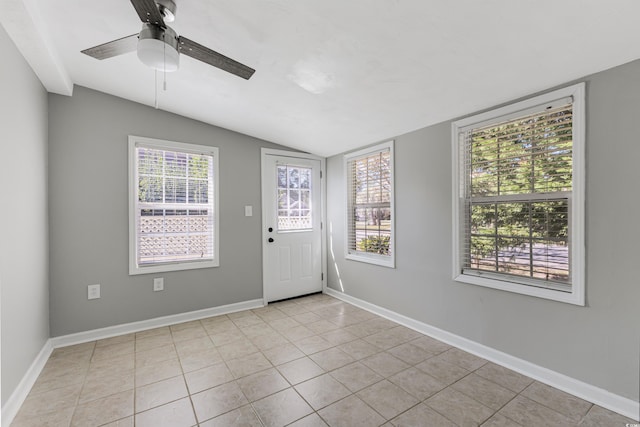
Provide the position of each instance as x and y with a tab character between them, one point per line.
158	48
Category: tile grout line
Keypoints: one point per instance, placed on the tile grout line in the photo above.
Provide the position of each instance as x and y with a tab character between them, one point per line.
184	378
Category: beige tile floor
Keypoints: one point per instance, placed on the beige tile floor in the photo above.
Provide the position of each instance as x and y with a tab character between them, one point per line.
312	361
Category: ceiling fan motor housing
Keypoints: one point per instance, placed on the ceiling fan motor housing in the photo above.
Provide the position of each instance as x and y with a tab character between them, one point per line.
158	47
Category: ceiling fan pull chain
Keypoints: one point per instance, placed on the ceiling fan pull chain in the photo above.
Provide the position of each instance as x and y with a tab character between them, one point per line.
156	88
164	61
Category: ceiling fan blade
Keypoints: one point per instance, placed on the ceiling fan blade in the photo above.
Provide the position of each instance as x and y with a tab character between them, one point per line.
148	12
113	48
211	57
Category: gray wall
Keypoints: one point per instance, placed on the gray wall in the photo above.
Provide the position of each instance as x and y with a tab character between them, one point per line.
24	266
597	344
89	215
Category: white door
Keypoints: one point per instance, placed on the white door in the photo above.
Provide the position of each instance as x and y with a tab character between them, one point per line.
291	221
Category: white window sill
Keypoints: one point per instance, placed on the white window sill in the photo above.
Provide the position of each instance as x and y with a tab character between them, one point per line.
176	266
382	261
572	297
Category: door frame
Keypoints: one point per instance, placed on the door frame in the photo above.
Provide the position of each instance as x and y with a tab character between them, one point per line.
264	152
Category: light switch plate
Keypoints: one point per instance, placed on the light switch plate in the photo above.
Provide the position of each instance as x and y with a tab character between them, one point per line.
248	210
158	284
93	291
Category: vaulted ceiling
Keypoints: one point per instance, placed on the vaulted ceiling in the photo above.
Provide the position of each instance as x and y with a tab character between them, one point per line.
333	75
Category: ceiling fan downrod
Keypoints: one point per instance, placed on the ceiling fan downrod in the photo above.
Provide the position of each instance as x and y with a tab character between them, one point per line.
168	9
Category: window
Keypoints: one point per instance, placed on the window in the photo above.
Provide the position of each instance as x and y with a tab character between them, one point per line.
370	215
519	197
294	198
173	206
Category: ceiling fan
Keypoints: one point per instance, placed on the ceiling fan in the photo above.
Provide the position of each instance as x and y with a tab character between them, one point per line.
159	47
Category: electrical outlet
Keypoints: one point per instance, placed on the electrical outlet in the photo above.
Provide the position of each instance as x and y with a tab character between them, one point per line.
158	284
93	291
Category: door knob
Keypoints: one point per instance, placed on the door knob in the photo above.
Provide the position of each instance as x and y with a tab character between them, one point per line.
270	240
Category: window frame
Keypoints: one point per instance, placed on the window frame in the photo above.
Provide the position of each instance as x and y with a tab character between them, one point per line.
511	283
133	143
370	258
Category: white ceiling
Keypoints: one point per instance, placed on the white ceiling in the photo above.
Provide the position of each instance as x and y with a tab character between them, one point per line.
334	75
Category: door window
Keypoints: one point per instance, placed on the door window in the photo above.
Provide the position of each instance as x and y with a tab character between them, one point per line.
294	198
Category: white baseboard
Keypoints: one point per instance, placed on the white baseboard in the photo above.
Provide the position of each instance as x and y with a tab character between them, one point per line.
15	401
13	404
127	328
593	394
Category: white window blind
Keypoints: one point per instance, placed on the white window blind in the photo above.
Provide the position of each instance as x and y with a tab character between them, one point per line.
518	177
370	205
174	210
517	182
